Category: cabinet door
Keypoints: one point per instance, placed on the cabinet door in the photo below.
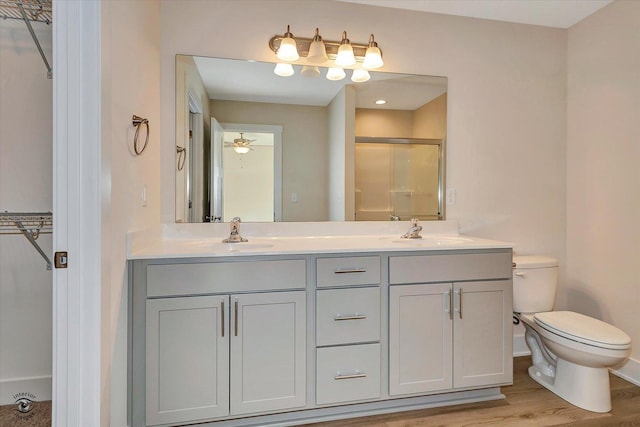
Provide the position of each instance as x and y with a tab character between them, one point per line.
187	377
483	338
268	352
420	342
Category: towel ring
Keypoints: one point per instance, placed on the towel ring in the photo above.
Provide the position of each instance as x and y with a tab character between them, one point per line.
137	122
182	156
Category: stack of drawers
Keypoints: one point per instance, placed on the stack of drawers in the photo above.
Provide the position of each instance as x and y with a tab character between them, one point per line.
347	329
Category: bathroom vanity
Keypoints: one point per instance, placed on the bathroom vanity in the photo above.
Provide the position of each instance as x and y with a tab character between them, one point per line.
299	328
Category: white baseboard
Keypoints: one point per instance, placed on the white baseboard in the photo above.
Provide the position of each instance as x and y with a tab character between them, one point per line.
40	387
520	346
630	371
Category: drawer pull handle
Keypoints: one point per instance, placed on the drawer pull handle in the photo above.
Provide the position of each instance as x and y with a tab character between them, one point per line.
349	376
222	317
350	270
356	316
236	317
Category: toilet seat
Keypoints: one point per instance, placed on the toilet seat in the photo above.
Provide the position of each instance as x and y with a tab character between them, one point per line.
583	329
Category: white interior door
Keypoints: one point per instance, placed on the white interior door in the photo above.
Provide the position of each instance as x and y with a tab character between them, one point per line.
217	171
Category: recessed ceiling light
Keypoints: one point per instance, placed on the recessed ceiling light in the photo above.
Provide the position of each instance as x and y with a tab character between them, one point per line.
381	102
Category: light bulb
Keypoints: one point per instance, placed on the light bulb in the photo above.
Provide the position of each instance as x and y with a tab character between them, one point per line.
335	73
310	71
360	76
373	56
317	50
381	102
283	70
241	150
345	57
288	51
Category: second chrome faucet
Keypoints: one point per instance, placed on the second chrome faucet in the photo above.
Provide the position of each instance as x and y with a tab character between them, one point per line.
235	236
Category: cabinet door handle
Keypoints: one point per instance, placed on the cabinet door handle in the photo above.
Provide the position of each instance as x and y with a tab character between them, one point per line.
458	309
235	315
355	316
349	376
450	297
222	310
350	270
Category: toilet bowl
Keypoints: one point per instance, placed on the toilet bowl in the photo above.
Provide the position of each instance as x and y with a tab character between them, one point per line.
571	352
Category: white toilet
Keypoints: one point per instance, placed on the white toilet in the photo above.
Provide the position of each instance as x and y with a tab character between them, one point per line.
571	353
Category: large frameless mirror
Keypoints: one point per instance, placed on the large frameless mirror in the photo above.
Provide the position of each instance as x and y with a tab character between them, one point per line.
253	144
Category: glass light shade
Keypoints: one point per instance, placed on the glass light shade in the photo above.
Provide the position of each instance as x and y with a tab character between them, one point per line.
241	150
373	58
288	51
360	76
310	71
283	70
345	57
317	52
336	74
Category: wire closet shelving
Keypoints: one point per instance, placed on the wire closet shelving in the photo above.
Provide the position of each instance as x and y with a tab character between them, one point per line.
30	11
31	225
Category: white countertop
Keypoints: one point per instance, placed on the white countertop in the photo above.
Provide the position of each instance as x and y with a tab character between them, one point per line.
205	240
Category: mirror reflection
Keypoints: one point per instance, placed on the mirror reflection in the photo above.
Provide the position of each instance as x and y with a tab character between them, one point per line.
253	144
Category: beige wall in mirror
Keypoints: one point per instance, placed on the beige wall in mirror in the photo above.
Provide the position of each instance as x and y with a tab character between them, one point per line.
320	122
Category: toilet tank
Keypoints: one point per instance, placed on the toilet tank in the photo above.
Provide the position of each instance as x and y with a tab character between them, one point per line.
535	278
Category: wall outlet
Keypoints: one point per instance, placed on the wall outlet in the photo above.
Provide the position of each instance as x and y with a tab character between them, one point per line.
294	197
451	196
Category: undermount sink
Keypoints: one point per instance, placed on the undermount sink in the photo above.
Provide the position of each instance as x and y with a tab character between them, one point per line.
433	241
241	246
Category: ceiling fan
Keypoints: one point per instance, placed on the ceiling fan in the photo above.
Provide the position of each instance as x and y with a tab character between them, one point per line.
240	145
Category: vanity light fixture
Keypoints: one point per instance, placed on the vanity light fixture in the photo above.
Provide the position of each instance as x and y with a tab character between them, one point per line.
373	56
288	51
345	57
360	76
316	50
335	73
283	70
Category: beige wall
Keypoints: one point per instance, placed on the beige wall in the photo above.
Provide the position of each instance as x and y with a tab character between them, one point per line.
130	85
384	123
26	140
430	120
304	151
603	177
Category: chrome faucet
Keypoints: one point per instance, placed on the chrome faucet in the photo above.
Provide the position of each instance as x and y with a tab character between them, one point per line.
235	236
414	230
394	218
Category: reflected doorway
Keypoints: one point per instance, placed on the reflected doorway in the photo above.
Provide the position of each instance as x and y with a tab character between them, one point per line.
247	174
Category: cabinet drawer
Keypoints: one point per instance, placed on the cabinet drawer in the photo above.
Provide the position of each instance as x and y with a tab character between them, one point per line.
363	270
346	374
202	278
441	268
347	316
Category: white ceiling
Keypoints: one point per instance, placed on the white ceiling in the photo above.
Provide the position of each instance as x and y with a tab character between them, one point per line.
548	13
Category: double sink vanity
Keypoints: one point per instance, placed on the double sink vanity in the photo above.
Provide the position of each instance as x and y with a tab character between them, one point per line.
307	322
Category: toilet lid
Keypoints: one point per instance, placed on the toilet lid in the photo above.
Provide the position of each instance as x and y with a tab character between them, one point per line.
581	328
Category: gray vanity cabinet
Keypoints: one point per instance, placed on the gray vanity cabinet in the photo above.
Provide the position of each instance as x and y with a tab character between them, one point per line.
461	327
213	356
221	339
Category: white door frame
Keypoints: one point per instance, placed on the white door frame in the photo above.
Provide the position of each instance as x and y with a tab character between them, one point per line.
77	213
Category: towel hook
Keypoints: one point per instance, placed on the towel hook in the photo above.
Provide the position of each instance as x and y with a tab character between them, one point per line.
182	156
137	121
